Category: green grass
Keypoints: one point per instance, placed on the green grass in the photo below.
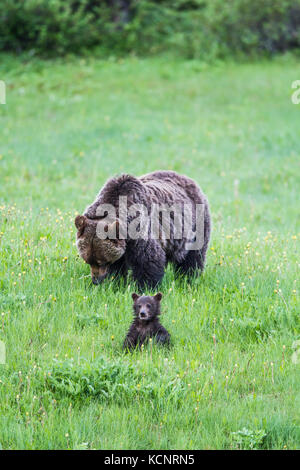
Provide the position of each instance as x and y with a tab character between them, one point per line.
228	381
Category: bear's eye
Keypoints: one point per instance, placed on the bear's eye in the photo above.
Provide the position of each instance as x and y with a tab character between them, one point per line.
148	306
101	264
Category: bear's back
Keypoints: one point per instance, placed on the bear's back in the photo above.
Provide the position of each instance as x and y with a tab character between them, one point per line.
158	187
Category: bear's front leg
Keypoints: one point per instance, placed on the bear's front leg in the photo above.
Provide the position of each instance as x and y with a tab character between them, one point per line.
119	268
131	340
147	260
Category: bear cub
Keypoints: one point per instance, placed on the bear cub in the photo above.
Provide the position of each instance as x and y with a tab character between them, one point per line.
146	324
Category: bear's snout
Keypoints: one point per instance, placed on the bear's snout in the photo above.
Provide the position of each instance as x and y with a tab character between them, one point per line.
97	280
98	274
143	314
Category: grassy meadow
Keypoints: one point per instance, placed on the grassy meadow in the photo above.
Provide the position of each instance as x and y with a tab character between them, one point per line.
231	378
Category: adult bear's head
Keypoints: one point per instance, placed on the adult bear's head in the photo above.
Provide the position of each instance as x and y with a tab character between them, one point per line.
96	250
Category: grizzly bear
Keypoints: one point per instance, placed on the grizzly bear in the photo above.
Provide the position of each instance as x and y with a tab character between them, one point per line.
146	324
144	253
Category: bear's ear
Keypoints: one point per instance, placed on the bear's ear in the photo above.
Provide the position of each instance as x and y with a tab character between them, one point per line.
135	296
80	222
158	296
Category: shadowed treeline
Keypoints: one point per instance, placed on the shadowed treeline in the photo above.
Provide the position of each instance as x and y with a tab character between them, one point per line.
189	28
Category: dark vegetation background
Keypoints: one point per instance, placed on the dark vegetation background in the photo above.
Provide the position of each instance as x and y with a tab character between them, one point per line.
191	28
84	102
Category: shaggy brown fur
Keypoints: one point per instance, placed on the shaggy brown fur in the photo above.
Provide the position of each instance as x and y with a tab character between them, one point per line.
146	258
146	324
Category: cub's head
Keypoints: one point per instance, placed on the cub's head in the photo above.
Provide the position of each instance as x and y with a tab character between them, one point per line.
96	251
146	307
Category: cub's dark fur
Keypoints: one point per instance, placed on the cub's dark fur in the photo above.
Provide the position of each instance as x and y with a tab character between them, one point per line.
146	323
146	259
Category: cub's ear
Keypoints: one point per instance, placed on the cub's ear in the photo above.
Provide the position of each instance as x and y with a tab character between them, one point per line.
135	296
80	222
158	296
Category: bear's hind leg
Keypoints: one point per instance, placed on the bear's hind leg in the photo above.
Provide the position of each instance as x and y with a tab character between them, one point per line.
192	263
162	336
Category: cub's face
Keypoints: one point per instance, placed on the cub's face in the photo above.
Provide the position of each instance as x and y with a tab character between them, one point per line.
146	307
98	253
